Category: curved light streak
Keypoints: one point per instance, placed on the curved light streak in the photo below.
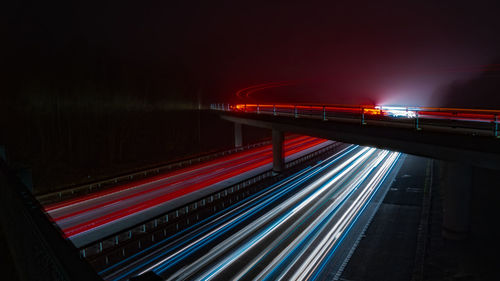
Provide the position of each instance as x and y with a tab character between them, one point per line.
246	92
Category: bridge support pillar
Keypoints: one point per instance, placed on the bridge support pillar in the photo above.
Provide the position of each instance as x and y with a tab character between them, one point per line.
457	181
278	153
238	136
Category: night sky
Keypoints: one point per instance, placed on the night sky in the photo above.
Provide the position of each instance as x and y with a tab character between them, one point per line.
384	52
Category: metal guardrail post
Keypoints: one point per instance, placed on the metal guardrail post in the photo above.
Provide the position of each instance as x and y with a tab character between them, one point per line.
258	109
274	109
295	111
245	107
496	126
363	116
416	121
324	114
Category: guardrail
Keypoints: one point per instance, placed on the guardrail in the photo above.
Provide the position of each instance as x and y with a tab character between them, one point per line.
468	121
68	193
39	250
123	244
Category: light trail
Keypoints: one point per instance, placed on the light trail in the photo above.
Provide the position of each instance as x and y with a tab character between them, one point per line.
85	215
412	112
239	215
167	195
307	233
273	228
150	185
246	92
301	199
309	266
195	169
388	166
319	219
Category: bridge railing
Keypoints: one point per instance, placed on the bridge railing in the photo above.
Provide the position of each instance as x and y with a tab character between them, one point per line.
469	121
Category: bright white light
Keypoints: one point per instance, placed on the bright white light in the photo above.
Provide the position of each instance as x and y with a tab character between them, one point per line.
398	111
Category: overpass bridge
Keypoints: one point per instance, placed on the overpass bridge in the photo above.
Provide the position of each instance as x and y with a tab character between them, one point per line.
466	141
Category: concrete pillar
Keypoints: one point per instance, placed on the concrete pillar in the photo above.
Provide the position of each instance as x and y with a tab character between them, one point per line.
278	153
457	182
238	137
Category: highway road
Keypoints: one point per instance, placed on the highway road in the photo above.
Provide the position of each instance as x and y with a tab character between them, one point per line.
288	231
88	218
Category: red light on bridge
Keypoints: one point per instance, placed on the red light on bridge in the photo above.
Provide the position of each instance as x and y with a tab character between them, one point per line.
372	111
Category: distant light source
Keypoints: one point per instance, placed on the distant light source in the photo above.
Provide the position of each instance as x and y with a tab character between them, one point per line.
398	111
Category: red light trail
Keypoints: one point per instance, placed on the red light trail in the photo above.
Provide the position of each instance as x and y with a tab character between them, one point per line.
95	210
246	92
479	115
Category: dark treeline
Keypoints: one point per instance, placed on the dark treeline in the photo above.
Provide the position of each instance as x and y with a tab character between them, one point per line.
78	114
102	117
82	99
95	116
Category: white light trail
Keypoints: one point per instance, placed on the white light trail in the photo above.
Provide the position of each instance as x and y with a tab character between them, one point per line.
398	111
309	266
247	229
360	177
260	222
